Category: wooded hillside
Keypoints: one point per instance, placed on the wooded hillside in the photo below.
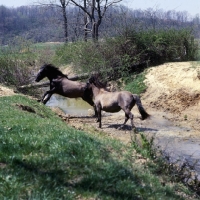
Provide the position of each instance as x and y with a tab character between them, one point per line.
43	24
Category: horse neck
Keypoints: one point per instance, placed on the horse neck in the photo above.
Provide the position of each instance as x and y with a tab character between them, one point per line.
95	90
52	76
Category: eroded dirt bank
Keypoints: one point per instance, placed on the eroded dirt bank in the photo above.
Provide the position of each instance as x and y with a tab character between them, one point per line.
174	88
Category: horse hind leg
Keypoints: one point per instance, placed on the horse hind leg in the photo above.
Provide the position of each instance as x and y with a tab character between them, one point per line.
126	119
128	115
132	124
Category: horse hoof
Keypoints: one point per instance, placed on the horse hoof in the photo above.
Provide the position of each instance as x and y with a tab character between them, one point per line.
135	130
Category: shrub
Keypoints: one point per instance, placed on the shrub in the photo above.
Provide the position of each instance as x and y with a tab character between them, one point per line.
17	61
135	83
13	72
131	52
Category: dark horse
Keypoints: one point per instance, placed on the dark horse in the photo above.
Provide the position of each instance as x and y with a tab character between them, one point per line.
60	84
115	101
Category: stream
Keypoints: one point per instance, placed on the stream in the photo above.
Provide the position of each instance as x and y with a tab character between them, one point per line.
69	106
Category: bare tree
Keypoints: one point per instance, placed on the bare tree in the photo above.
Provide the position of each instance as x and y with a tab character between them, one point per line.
62	4
94	12
152	15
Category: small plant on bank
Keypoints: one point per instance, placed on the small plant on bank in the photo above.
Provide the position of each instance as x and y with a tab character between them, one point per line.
135	83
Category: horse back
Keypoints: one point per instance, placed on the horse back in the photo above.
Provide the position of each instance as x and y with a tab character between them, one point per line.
68	88
126	99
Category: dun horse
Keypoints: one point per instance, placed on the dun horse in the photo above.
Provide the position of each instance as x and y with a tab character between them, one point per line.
115	101
60	84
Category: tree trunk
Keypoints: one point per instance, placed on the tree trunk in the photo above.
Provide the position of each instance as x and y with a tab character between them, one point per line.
65	22
85	22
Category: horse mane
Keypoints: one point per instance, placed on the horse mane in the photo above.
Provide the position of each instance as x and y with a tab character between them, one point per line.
95	80
54	69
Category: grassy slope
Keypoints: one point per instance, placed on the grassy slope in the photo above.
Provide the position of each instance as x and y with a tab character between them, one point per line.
42	158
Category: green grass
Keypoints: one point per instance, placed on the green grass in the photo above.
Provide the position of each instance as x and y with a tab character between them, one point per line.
50	45
41	157
26	51
135	84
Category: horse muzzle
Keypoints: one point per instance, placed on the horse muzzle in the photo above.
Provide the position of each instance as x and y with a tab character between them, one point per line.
37	79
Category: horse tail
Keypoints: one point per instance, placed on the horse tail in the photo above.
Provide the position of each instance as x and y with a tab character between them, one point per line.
141	109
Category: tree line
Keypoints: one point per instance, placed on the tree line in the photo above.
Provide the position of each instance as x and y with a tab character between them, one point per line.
45	23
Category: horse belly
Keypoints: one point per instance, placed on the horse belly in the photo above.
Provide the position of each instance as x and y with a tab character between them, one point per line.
72	92
111	108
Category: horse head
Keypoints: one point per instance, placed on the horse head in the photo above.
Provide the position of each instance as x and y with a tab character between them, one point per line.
49	71
41	73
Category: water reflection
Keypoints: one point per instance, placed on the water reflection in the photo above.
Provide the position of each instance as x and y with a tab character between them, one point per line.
69	106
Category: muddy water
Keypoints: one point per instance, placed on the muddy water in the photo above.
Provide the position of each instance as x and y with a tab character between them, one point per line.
178	142
69	106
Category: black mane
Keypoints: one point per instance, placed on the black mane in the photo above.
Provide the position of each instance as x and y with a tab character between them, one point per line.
95	80
53	69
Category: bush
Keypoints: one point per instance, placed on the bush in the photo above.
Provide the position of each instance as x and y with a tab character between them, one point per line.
13	72
14	62
135	84
165	45
131	52
17	61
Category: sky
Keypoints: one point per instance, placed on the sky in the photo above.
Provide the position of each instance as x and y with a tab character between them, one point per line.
191	6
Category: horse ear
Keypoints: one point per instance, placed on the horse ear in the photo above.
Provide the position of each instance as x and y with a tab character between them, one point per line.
44	66
91	79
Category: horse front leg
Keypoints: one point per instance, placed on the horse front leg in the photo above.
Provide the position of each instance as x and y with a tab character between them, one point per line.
87	97
47	95
99	119
98	110
46	98
43	96
95	112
